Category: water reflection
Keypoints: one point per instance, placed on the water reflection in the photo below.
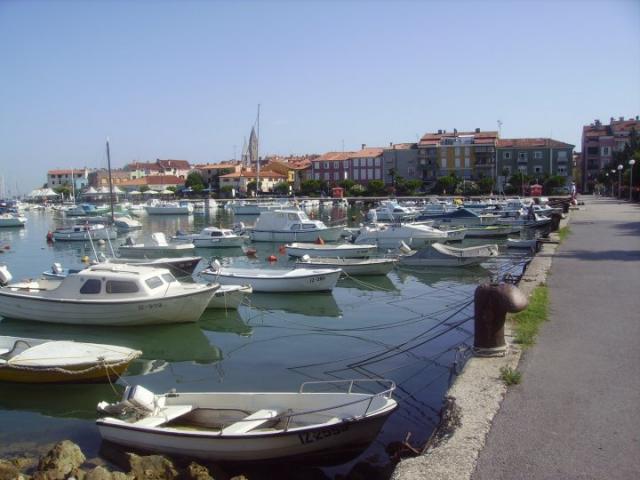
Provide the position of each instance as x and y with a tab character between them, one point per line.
227	321
309	304
369	283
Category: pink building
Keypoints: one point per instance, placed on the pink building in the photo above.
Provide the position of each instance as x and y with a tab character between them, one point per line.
361	166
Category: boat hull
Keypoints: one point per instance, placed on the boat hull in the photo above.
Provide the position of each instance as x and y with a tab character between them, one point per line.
347	251
81	374
381	267
168	211
313	282
330	234
218	242
102	234
229	299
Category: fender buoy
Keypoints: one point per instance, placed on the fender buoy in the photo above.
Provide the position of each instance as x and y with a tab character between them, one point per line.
282	249
319	241
272	258
49	236
85	259
250	252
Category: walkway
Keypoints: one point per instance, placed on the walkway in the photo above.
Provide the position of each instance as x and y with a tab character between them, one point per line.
576	414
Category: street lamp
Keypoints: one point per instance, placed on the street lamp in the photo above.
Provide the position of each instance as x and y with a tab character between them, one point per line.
620	167
613	190
632	162
607	182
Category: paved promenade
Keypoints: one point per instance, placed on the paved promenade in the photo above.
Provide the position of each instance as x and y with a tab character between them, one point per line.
576	414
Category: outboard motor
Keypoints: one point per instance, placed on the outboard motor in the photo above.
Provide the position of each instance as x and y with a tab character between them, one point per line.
128	242
56	268
5	275
238	228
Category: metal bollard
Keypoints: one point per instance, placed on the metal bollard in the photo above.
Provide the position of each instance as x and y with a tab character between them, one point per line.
555	221
491	304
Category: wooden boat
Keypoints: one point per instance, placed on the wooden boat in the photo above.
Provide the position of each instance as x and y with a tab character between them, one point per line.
343	250
159	247
439	255
291	226
275	280
229	297
211	237
30	360
250	426
84	233
350	266
106	294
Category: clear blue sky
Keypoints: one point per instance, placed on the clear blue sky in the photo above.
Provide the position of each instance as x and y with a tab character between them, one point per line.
182	79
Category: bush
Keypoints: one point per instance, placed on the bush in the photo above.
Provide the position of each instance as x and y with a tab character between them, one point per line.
375	187
357	190
281	188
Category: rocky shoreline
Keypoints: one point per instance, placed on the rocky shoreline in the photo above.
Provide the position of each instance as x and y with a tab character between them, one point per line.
66	461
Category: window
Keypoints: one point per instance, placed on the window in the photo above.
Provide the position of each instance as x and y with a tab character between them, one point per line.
308	226
537	169
562	170
369	173
336	165
316	176
346	164
411	172
456	151
592	150
91	286
326	176
378	174
537	155
336	176
168	278
377	162
506	155
443	163
562	155
295	226
467	162
523	156
119	286
522	169
325	165
605	151
356	162
356	174
369	162
467	150
443	153
457	164
153	282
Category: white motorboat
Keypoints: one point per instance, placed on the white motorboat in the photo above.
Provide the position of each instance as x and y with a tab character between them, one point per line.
31	360
106	294
275	280
229	297
344	250
158	207
391	211
350	266
124	223
211	237
525	221
439	255
291	226
526	244
158	247
84	233
488	231
233	426
253	207
12	220
391	235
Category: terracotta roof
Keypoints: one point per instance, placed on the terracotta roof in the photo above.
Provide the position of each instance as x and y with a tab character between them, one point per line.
367	152
64	171
300	165
142	166
252	174
531	143
481	137
401	146
334	156
216	166
153	180
181	164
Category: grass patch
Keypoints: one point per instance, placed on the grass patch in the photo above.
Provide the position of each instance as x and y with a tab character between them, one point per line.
563	233
527	322
510	376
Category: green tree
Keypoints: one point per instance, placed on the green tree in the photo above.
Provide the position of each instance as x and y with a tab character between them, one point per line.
346	184
553	182
375	187
144	188
357	190
393	174
172	188
281	188
310	186
407	187
446	185
194	179
485	185
252	186
64	190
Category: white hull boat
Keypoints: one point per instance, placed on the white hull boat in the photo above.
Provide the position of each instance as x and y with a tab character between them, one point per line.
291	226
344	250
158	248
488	231
526	244
249	426
276	280
106	294
169	208
211	237
229	297
392	235
439	255
12	220
31	360
350	266
84	233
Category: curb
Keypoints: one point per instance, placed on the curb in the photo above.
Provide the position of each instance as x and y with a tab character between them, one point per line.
476	395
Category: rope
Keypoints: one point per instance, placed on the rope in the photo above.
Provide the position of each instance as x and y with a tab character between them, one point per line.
65	370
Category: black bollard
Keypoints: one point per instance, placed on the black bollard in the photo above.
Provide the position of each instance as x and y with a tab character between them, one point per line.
491	304
555	222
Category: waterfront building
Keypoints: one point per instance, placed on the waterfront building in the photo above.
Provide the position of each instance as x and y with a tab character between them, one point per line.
361	166
468	155
211	172
157	183
600	142
78	176
536	157
100	178
401	160
240	180
142	169
179	168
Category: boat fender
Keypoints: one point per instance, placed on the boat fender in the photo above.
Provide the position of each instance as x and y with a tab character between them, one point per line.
5	275
50	236
85	259
306	258
56	268
319	241
272	258
101	242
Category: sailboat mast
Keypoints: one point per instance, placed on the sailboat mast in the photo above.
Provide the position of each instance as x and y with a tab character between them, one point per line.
110	182
73	186
258	153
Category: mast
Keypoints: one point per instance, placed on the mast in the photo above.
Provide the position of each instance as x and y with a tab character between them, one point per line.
110	182
73	186
258	153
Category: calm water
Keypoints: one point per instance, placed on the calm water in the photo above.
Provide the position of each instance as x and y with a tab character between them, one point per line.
411	327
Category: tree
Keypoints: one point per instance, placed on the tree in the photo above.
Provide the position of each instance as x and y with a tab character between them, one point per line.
64	190
446	184
485	185
553	182
194	179
144	188
375	187
281	188
172	188
393	174
310	186
357	190
252	186
346	184
407	187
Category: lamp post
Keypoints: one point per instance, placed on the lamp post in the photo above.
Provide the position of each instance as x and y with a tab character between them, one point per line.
606	182
632	162
620	167
613	190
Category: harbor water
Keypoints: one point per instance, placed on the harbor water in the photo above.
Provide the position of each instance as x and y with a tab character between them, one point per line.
413	326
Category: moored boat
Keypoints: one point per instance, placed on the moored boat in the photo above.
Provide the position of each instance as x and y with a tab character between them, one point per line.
392	235
439	255
84	233
30	360
158	248
291	226
211	237
343	250
488	231
350	266
157	207
250	426
12	220
229	297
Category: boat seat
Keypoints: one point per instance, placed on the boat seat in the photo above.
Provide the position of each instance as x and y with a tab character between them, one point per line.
165	415
249	423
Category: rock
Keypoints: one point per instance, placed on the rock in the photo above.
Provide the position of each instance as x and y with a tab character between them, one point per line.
120	476
61	462
197	472
8	470
99	473
151	467
239	477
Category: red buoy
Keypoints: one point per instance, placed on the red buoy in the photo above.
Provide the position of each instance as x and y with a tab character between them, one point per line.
250	252
49	236
272	258
319	241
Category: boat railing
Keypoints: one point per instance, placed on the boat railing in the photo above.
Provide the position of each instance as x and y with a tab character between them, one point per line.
390	384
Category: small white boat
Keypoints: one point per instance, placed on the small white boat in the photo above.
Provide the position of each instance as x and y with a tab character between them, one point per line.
31	360
439	255
229	297
391	211
242	207
291	226
344	250
230	426
392	235
125	223
84	233
12	220
350	266
157	207
275	280
211	237
159	247
488	231
106	294
527	244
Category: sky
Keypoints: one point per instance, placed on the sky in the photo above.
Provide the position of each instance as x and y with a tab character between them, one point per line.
182	79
